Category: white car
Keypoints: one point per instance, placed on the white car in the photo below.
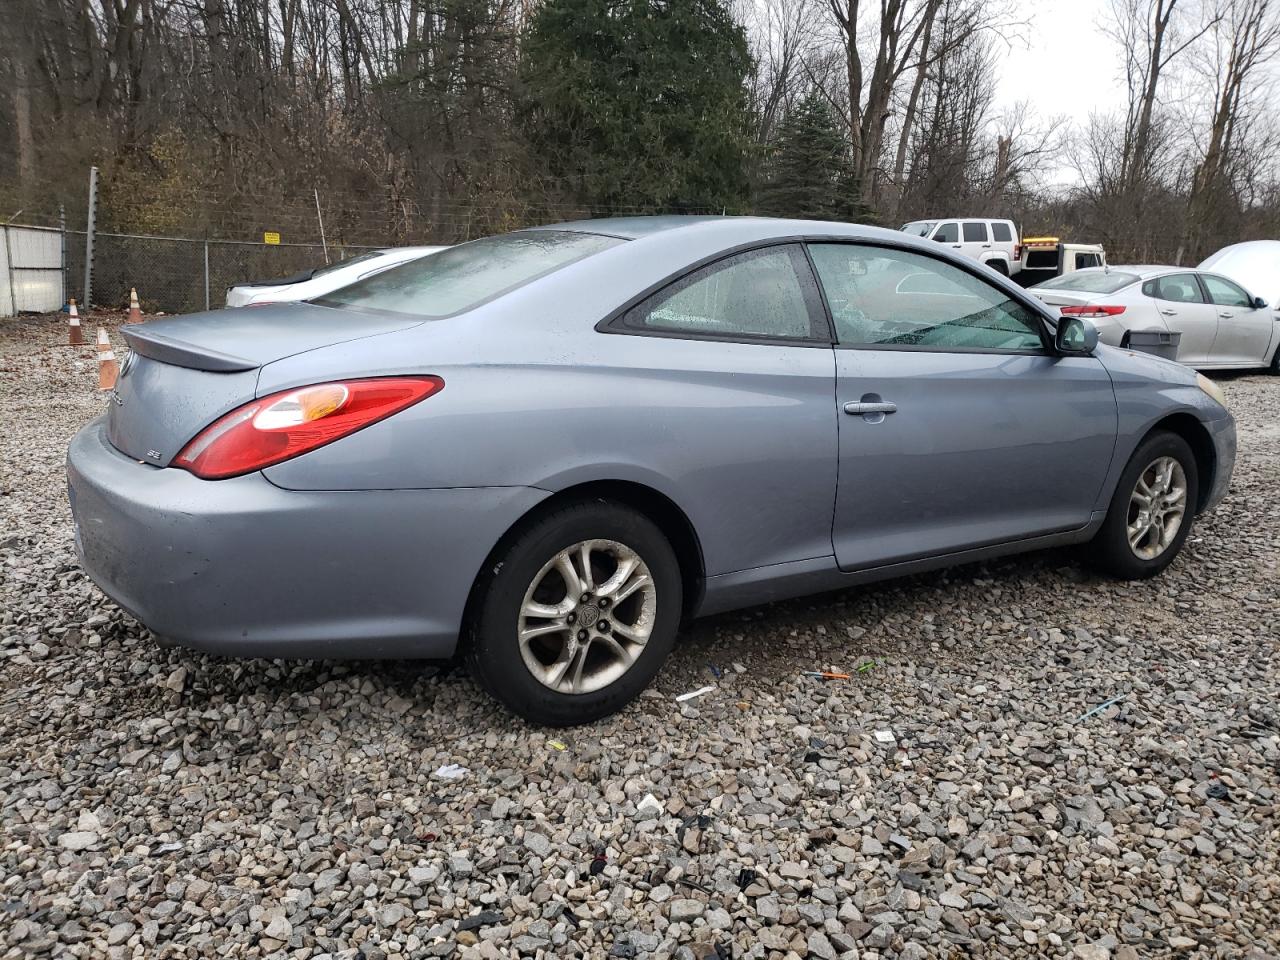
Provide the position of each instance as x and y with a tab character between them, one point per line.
993	242
315	283
1220	324
1254	264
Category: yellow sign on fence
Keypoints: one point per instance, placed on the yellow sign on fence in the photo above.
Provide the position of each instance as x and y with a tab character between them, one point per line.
271	237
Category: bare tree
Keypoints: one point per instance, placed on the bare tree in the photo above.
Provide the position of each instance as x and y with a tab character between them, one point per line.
1152	34
1245	39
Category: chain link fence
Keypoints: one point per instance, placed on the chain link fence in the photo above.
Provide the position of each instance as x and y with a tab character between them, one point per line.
180	275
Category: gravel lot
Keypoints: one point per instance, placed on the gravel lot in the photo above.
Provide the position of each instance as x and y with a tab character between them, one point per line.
945	802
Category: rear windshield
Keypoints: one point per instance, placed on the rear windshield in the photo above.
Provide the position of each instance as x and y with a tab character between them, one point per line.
467	275
1090	281
339	264
920	228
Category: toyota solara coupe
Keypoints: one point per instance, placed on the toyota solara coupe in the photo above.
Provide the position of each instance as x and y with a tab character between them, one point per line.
548	449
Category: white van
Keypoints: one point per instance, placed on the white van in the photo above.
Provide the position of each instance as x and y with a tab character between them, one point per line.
993	242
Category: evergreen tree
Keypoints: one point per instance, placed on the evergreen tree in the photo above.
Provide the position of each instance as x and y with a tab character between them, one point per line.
639	103
810	174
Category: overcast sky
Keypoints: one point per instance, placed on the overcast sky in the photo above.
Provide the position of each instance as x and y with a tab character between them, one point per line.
1064	64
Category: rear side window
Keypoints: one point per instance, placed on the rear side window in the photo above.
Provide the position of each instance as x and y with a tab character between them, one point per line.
1091	281
1179	288
1086	260
1224	292
1001	232
948	233
468	275
756	294
975	232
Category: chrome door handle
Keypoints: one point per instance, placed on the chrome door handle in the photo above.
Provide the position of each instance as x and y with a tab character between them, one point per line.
1170	313
1226	316
860	409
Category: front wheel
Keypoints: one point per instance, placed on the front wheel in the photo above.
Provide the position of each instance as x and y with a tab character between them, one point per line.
577	614
1151	511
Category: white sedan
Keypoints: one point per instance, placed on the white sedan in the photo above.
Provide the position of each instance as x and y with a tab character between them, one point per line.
1222	325
316	283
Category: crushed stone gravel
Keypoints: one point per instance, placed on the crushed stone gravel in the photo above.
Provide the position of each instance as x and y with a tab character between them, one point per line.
161	803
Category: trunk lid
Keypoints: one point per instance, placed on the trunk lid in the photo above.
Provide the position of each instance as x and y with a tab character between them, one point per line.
1065	298
183	373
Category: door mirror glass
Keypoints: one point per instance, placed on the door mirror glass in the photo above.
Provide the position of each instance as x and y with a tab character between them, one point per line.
1076	336
1259	303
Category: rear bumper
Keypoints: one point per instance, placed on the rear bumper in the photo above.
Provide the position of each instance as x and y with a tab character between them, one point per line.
1223	434
245	568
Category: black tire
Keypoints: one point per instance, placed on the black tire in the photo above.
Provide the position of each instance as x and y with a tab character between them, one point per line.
1110	550
494	651
1274	369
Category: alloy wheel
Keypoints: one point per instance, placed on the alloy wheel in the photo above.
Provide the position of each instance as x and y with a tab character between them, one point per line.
586	616
1157	507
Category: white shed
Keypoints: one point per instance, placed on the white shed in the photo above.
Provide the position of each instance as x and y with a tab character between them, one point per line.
31	270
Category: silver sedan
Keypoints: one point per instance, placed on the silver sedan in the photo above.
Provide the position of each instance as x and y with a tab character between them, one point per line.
1222	325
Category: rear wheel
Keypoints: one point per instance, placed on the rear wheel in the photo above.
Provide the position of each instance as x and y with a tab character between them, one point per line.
1275	363
1151	512
577	615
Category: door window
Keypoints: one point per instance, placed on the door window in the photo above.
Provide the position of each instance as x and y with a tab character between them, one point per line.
1224	292
893	298
756	294
948	233
975	232
1001	232
1086	260
1178	288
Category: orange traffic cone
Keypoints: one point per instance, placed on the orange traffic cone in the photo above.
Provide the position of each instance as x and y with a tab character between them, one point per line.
135	311
108	369
75	337
104	342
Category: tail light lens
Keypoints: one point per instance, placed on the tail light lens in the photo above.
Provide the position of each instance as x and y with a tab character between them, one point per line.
1093	311
286	424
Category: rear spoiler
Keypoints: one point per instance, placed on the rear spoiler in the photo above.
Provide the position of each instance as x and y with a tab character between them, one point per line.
157	346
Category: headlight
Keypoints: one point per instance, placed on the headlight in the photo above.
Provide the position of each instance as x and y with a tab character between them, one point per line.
1212	389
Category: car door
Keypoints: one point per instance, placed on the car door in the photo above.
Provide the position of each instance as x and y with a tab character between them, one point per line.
1181	303
975	241
948	233
958	429
1003	240
1244	331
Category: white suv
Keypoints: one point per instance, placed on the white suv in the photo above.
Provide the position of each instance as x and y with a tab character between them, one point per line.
993	242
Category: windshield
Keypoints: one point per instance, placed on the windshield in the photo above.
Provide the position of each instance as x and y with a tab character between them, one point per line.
467	275
1090	281
339	264
920	228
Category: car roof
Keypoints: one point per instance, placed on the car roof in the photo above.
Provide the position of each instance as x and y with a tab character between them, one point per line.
1146	271
747	229
962	220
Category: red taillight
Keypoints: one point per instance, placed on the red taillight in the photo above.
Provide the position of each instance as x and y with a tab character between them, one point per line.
285	424
1092	311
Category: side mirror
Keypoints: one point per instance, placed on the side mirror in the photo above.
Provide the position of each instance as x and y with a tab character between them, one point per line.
1076	336
1259	303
